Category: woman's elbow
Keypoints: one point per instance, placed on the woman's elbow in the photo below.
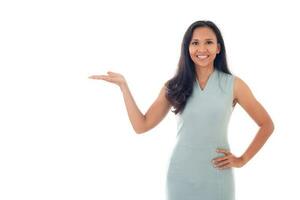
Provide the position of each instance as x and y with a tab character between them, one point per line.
270	126
140	130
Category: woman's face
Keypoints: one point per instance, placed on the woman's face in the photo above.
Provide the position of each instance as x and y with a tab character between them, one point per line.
203	47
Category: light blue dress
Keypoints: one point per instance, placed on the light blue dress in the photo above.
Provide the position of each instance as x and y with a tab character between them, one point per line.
201	129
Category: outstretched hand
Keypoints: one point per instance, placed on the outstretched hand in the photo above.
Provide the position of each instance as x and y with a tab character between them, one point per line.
112	77
229	160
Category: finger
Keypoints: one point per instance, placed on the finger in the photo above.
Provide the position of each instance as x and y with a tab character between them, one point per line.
216	160
93	77
97	77
224	165
112	73
225	151
222	150
103	77
221	163
108	78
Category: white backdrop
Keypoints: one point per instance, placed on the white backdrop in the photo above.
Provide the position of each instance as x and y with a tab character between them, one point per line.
64	136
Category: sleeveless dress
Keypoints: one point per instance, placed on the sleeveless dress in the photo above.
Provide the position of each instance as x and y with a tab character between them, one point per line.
201	129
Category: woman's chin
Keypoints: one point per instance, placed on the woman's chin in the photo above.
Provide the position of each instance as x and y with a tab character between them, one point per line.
204	65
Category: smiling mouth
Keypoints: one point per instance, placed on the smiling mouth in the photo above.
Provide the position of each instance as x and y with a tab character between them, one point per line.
202	57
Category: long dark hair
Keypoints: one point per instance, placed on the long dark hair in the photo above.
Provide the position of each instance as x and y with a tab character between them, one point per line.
180	87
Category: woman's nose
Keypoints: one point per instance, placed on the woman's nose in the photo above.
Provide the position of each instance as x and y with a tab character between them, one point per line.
201	48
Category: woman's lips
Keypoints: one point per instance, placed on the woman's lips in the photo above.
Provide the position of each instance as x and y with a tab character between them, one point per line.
202	57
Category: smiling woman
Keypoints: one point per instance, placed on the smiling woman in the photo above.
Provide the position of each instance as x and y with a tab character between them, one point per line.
203	92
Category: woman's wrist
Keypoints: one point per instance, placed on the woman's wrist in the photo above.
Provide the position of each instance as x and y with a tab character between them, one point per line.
244	159
123	86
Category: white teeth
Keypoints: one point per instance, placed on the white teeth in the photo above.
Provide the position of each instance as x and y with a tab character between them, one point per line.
202	57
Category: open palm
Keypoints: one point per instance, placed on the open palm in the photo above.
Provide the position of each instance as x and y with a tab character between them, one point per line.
112	77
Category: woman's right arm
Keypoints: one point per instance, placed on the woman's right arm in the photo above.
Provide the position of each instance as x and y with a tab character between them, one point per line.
141	123
157	111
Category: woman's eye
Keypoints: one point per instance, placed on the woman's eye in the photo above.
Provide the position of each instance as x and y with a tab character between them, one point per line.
209	42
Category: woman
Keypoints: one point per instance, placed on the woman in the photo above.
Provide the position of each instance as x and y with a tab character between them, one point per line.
203	93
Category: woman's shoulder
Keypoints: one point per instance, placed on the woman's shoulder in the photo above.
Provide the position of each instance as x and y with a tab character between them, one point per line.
223	73
227	76
239	82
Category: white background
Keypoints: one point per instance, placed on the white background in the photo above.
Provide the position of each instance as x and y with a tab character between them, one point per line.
64	136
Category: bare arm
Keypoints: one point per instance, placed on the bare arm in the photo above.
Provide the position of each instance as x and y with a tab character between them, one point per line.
141	123
257	112
136	117
157	111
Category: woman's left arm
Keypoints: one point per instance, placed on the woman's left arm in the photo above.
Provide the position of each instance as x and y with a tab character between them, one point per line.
256	111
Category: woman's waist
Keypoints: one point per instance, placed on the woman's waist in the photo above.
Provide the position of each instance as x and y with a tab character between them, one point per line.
200	151
202	139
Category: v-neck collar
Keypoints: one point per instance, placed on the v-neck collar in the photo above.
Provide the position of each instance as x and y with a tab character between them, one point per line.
207	82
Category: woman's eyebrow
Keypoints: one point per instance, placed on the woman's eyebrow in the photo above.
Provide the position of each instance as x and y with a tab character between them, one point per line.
205	39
